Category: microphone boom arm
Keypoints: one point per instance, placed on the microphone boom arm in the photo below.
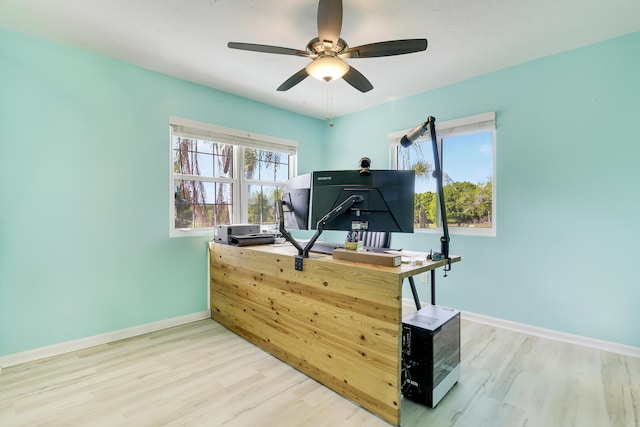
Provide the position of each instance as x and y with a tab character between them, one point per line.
406	141
444	240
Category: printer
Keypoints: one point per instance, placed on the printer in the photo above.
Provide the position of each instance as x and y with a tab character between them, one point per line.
221	233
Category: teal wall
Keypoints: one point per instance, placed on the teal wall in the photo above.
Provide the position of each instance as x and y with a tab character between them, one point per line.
567	189
84	246
84	181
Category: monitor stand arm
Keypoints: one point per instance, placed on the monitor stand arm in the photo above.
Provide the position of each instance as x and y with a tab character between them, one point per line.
284	231
304	252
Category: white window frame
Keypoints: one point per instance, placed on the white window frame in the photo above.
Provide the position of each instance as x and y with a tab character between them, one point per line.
449	128
240	140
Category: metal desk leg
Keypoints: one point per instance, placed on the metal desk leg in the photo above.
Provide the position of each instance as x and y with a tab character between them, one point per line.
433	287
416	299
415	292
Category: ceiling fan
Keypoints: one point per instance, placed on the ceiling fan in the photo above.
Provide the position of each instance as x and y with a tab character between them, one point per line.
328	50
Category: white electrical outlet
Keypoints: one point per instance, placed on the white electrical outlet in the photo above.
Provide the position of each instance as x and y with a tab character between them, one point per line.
425	277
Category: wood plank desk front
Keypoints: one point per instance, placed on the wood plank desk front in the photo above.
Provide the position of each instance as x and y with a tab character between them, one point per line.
338	322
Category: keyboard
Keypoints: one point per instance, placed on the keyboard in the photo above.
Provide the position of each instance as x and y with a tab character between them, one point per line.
326	247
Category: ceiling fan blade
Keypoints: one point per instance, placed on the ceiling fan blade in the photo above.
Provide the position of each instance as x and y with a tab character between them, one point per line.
329	20
267	49
357	80
388	48
293	80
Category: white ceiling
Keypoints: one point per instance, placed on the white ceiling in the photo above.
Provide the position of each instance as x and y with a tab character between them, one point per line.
188	39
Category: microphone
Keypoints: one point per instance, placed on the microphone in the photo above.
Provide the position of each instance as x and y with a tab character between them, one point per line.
412	136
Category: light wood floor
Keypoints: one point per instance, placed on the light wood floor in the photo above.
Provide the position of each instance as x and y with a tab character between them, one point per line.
203	375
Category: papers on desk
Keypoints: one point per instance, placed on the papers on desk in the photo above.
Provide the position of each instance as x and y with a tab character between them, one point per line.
410	257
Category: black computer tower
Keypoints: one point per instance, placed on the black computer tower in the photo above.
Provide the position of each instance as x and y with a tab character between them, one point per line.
430	354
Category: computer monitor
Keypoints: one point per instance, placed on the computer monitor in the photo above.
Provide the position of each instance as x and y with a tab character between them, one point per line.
295	202
387	200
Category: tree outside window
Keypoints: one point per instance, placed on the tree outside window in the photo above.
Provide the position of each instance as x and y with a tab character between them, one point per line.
468	178
202	201
266	173
225	176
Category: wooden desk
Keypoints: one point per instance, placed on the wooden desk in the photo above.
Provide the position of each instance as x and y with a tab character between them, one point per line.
338	322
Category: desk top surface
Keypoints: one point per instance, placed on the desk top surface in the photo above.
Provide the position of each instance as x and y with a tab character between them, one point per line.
404	270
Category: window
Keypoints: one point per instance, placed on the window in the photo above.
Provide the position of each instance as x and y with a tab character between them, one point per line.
224	176
467	148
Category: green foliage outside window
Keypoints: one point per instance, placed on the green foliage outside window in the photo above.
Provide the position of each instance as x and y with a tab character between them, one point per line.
468	204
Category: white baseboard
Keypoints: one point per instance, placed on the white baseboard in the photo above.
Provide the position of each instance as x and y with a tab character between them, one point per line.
82	343
551	334
66	347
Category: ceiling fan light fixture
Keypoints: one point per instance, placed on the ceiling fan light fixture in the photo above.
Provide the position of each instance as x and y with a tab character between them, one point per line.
327	68
328	50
